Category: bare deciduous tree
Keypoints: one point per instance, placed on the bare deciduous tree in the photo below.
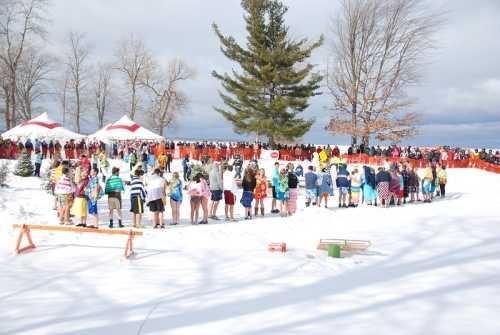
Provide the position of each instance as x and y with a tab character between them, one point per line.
102	91
33	76
78	72
132	61
377	53
62	93
20	21
168	100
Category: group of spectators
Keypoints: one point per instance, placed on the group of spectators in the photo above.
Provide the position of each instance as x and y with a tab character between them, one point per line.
229	150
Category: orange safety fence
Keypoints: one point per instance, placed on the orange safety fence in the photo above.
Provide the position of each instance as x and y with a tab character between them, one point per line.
248	153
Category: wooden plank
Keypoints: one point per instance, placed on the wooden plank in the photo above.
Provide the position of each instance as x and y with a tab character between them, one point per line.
79	230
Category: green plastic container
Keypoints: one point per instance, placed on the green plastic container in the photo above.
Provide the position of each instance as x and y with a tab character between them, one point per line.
334	251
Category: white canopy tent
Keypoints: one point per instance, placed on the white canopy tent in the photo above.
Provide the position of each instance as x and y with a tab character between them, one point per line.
41	127
123	130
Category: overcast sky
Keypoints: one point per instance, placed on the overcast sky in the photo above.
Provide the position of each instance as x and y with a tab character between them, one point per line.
459	98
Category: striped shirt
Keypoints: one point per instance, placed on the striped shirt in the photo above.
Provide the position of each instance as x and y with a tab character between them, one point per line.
64	186
137	188
114	184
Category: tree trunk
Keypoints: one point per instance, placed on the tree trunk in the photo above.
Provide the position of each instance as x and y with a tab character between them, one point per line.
354	122
12	116
132	111
77	91
28	107
7	109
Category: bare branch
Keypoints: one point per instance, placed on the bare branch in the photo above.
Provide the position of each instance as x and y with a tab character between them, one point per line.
376	54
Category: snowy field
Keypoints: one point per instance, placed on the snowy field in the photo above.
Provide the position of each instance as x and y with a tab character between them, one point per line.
432	269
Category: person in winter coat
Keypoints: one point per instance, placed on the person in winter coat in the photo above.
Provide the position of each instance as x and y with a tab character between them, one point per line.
299	171
216	188
325	186
144	160
185	168
132	159
383	180
293	184
38	162
405	174
413	184
169	162
162	161
238	166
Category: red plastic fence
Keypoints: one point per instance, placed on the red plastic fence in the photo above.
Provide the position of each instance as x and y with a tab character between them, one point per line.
284	155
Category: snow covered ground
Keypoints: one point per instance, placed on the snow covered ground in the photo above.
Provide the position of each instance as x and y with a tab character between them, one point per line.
432	269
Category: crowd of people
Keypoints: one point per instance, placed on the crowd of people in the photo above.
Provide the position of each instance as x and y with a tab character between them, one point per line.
229	150
78	185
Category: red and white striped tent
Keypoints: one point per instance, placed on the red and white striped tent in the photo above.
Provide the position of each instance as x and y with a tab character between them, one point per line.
41	127
124	129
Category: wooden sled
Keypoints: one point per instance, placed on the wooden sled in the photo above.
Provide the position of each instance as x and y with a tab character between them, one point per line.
345	245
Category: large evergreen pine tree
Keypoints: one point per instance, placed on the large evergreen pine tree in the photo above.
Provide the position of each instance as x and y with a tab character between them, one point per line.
275	82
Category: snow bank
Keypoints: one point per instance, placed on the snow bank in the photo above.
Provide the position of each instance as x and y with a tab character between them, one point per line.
432	269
